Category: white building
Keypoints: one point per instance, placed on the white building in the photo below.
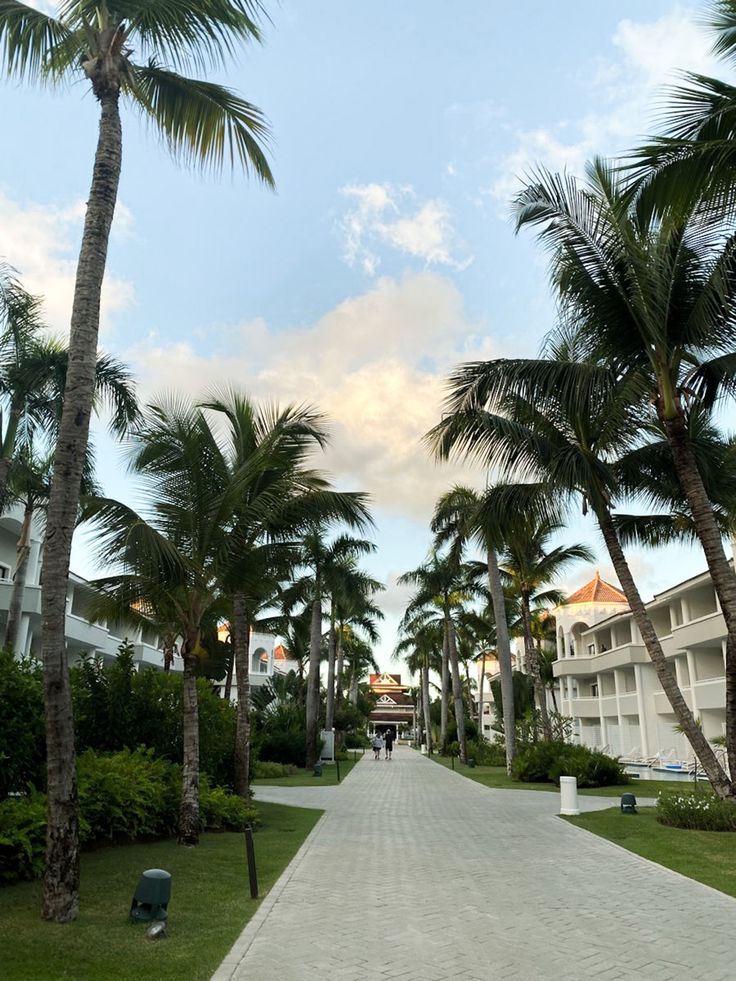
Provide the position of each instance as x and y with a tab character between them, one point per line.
100	639
487	664
609	686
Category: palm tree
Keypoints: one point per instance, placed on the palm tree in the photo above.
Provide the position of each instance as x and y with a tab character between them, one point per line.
201	122
421	640
320	556
651	290
461	516
445	583
569	422
530	565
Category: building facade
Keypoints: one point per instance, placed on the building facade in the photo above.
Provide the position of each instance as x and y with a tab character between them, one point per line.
608	685
394	707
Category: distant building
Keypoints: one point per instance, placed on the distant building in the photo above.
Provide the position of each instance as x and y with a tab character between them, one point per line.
487	664
394	708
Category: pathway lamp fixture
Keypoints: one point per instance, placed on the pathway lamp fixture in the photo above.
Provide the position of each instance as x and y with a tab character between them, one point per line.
628	804
317	770
151	897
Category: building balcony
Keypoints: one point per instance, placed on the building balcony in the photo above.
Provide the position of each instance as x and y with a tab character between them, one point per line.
662	705
628	703
707	631
710	694
617	657
585	707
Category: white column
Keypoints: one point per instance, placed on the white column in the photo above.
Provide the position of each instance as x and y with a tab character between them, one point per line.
643	727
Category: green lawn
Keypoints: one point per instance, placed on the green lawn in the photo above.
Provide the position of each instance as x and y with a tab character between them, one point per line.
210	904
306	778
708	856
496	777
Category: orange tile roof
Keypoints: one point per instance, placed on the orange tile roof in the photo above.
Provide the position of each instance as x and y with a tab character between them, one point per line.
596	591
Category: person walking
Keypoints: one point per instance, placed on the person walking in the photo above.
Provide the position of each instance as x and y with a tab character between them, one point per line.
389	743
377	745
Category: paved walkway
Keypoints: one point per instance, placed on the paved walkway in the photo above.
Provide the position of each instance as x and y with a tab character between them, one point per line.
418	874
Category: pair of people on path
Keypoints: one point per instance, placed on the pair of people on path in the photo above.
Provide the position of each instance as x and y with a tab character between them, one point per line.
380	742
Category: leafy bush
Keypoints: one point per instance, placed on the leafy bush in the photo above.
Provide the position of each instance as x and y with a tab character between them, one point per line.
490	754
222	811
546	762
263	770
130	794
699	811
22	745
471	731
280	735
22	837
357	740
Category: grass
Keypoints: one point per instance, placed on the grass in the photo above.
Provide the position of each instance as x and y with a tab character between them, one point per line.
210	905
706	856
496	777
306	778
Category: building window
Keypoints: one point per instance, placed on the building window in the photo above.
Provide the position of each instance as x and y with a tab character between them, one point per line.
594	690
5	572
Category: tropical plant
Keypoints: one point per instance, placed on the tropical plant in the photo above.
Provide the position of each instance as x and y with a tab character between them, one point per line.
203	123
567	421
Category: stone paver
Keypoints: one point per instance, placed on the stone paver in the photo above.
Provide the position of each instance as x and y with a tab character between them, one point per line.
417	874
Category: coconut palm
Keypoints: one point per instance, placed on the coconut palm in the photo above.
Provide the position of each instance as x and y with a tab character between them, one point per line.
201	122
568	422
652	291
320	555
530	566
421	641
445	583
462	516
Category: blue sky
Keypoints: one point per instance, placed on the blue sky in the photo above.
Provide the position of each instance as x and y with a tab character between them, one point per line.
386	254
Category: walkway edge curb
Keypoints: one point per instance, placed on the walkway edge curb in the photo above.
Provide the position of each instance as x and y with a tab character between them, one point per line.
229	966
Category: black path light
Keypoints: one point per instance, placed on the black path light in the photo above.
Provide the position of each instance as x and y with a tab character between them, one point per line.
628	804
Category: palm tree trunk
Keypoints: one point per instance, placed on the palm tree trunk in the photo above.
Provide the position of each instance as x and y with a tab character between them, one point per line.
354	687
61	875
189	806
315	650
230	669
701	747
457	689
331	656
444	693
481	686
23	552
723	576
6	461
339	680
503	652
427	709
533	665
241	645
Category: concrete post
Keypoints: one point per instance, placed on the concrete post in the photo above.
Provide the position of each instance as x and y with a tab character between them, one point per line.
424	749
569	795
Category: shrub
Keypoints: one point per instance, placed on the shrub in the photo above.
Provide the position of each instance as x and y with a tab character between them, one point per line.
223	811
546	762
263	770
22	837
491	754
699	811
130	794
357	740
22	745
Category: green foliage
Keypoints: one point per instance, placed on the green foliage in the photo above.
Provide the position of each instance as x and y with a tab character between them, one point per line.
471	731
546	762
123	796
523	697
22	837
22	746
357	740
700	811
279	734
488	754
222	811
263	770
116	707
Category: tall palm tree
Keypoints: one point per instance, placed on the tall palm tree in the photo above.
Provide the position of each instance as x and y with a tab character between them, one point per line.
531	565
320	556
462	516
651	291
446	583
201	122
420	641
568	422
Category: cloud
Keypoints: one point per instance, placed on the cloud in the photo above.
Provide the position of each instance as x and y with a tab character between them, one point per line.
384	215
42	241
630	89
375	364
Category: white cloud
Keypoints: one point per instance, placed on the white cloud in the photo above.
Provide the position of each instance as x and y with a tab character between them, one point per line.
42	243
375	364
630	88
385	215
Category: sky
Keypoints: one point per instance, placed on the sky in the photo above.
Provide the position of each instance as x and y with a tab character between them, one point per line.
385	256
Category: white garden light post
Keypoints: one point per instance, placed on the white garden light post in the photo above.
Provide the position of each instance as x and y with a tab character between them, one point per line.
569	795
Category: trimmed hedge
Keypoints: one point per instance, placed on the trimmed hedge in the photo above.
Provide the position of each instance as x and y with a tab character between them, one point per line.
546	762
699	811
263	770
124	796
